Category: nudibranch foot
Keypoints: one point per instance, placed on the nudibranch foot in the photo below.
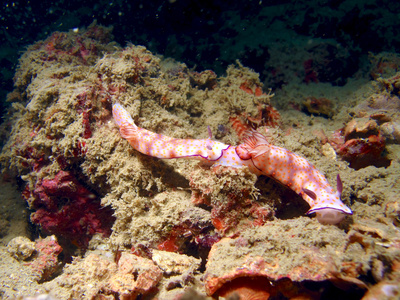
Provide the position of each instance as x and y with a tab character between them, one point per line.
329	216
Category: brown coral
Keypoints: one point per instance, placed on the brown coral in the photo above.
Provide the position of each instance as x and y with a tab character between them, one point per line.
360	128
232	196
249	288
361	143
318	106
259	254
46	262
136	276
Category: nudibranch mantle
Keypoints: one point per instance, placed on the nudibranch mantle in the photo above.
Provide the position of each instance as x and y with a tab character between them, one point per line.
256	153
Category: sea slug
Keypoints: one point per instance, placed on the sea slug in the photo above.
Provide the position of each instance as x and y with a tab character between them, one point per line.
256	153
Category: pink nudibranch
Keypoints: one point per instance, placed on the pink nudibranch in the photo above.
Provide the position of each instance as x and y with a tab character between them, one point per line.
256	153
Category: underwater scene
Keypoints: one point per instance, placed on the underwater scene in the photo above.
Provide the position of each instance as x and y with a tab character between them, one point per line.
200	150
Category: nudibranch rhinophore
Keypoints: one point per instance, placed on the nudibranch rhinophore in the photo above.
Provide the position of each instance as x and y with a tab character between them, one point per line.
255	153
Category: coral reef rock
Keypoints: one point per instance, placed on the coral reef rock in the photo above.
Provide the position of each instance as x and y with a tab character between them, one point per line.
21	248
329	256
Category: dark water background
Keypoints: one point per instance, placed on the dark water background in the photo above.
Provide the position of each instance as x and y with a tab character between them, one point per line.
199	33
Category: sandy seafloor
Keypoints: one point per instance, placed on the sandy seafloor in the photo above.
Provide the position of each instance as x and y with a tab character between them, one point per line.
61	139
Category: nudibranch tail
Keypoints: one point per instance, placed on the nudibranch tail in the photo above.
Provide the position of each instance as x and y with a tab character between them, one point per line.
162	146
121	116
